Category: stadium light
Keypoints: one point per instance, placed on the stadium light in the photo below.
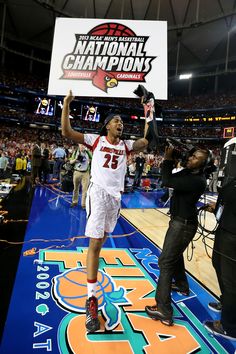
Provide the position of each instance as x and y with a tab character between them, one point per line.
185	76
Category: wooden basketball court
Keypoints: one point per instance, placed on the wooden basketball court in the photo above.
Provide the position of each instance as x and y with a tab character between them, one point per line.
154	223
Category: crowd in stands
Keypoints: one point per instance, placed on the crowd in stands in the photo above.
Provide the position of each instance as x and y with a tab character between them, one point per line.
17	145
200	102
17	142
17	139
194	132
185	102
17	79
27	81
198	132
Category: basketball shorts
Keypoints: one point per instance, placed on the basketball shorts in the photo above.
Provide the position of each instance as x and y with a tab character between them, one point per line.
102	211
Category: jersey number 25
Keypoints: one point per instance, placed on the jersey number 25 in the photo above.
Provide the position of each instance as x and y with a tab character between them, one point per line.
111	161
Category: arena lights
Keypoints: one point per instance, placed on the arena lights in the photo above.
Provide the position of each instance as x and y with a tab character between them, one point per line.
185	76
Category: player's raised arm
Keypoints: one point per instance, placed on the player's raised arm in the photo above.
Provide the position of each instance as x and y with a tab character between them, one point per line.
67	130
150	129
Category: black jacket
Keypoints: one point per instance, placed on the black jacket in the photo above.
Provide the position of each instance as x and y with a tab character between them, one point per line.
228	197
188	187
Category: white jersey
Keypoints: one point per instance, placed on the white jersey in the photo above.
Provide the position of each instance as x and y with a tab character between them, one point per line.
108	167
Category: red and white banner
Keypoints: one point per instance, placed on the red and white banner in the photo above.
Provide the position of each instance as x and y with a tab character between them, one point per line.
108	58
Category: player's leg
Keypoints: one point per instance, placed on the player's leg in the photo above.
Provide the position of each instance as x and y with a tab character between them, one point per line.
96	210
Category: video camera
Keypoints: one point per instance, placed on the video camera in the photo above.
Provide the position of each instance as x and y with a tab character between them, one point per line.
80	158
181	151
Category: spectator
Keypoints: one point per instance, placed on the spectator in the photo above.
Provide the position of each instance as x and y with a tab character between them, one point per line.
3	165
44	168
139	166
35	163
59	155
18	164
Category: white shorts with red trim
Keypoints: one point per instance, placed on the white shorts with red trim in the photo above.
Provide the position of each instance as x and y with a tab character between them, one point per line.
103	211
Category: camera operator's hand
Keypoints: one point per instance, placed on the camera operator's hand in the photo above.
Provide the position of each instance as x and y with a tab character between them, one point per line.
168	153
211	207
69	98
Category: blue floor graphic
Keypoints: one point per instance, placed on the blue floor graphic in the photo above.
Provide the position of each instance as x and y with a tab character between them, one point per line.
142	199
46	312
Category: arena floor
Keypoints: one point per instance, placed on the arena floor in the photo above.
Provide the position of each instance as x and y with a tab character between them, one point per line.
46	312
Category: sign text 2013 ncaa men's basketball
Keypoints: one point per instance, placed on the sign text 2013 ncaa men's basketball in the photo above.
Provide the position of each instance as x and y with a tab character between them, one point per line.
108	58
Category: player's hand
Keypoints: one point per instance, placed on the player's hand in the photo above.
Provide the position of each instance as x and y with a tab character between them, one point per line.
150	103
149	109
69	98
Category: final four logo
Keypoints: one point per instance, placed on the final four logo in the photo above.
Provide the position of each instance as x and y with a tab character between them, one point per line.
125	287
109	53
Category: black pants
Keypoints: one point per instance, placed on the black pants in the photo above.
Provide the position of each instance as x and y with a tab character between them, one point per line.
34	173
171	263
2	173
57	167
225	244
137	178
44	170
43	174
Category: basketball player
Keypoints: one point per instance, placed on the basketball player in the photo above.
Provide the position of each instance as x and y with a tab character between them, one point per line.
108	170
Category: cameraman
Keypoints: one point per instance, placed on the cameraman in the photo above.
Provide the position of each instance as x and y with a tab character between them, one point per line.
224	262
188	185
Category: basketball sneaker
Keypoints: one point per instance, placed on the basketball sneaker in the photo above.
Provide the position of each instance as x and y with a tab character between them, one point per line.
216	328
92	322
155	313
215	306
176	288
73	204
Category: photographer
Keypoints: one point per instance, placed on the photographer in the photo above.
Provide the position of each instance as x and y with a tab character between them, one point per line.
188	185
81	161
224	262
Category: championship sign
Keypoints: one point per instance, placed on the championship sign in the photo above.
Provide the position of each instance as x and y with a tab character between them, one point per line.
108	58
